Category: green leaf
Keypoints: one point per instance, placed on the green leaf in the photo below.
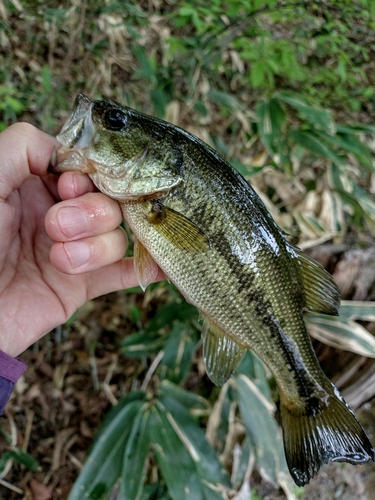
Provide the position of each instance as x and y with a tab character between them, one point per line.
24	458
139	345
257	413
314	144
319	117
180	445
178	352
339	180
156	334
104	465
342	333
271	118
257	73
350	143
253	367
358	310
197	405
136	452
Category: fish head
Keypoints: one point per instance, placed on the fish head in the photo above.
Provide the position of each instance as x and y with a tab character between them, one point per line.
126	154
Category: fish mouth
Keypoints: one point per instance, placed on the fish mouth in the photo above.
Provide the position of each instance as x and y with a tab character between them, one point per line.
76	135
68	159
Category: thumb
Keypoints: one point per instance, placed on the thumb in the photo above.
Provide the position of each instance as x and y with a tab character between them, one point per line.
24	150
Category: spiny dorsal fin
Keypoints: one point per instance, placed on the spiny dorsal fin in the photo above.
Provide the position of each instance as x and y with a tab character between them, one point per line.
177	228
145	267
221	354
321	292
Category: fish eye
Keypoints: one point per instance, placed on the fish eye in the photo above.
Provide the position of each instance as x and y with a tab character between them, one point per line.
115	119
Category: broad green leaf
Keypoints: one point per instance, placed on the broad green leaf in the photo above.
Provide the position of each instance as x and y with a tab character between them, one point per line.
24	458
136	452
154	337
139	345
339	180
350	143
119	408
271	118
257	74
104	465
178	352
241	465
173	458
178	443
197	405
342	333
314	144
265	435
210	470
358	310
172	311
319	117
350	129
253	367
224	99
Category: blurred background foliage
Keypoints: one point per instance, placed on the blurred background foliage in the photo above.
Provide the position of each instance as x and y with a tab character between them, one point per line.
285	90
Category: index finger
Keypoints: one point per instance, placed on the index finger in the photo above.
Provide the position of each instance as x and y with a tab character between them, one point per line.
24	150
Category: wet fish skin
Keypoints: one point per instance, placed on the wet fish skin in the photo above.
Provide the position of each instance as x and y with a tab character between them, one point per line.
210	233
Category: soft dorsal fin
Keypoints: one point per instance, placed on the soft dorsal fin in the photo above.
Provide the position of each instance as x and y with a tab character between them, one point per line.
177	228
145	267
321	292
221	354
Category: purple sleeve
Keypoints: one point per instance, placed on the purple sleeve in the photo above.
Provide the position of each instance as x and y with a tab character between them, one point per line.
10	371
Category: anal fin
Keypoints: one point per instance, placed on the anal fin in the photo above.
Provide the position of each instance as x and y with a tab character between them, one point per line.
145	267
221	354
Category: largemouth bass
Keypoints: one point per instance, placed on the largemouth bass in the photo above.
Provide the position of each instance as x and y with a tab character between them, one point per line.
195	216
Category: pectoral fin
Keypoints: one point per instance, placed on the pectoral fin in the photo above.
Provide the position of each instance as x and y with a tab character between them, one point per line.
221	354
177	228
321	292
145	267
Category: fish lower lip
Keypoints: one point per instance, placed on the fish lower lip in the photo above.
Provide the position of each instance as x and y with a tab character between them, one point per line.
69	159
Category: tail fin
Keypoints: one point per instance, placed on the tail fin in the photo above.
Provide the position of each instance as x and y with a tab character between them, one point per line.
326	434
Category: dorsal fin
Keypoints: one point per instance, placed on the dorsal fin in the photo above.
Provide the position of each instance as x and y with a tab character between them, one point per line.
221	354
321	292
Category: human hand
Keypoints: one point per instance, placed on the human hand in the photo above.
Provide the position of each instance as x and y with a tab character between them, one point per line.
53	257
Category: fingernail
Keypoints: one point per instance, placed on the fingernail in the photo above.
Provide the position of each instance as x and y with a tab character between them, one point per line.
78	252
72	221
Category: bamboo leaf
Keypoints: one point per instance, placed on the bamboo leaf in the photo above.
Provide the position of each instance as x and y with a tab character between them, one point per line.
178	352
314	144
342	333
265	435
104	464
136	451
196	404
350	143
24	458
180	445
271	118
358	310
319	117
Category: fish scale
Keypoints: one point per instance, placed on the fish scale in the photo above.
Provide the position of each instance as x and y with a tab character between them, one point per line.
203	224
